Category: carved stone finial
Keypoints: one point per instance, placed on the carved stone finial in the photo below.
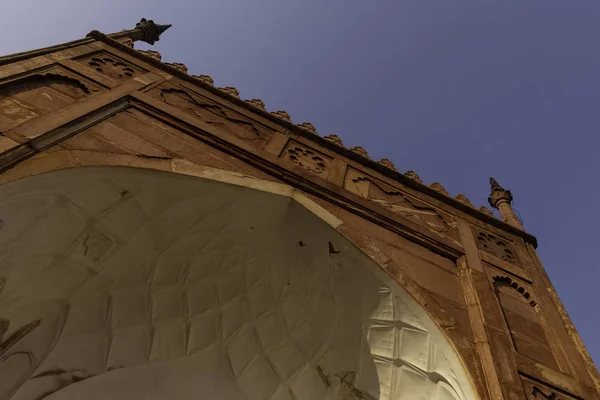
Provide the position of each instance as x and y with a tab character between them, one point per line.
283	115
205	78
334	139
231	91
463	199
360	150
439	188
127	42
178	66
387	163
500	199
151	31
257	103
486	210
498	194
152	54
413	175
308	126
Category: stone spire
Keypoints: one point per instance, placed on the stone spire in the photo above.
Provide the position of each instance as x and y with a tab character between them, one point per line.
501	199
145	30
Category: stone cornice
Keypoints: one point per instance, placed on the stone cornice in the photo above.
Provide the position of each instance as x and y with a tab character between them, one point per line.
112	40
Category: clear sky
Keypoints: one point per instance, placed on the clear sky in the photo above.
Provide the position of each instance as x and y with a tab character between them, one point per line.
455	90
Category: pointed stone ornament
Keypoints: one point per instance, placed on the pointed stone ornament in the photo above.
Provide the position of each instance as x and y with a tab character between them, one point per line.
486	211
413	175
231	91
501	199
463	199
257	103
152	54
178	66
151	31
334	139
439	188
387	163
360	150
205	78
282	115
308	126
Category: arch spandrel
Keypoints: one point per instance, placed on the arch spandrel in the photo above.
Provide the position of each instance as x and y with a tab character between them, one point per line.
206	287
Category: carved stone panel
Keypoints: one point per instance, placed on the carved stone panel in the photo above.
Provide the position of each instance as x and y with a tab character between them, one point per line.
399	202
308	158
40	93
213	113
495	246
111	66
536	390
522	316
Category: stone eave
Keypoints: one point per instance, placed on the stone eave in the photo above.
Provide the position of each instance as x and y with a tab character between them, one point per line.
291	127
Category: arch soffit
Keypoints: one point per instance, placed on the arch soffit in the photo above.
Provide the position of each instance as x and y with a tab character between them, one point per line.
61	160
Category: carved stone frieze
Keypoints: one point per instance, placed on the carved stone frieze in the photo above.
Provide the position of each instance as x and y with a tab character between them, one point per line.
536	390
399	202
212	113
307	158
495	246
111	66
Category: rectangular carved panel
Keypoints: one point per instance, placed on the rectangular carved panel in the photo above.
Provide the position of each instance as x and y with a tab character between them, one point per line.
537	390
522	315
308	158
399	202
38	93
112	66
495	245
217	115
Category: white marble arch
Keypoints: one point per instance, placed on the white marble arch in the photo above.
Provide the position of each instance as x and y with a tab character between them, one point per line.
126	283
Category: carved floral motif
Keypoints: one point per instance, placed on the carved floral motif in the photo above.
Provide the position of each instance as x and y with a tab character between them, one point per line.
112	67
214	114
399	202
307	158
463	199
495	246
486	211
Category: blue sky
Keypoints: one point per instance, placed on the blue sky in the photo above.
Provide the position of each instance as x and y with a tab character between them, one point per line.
456	90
